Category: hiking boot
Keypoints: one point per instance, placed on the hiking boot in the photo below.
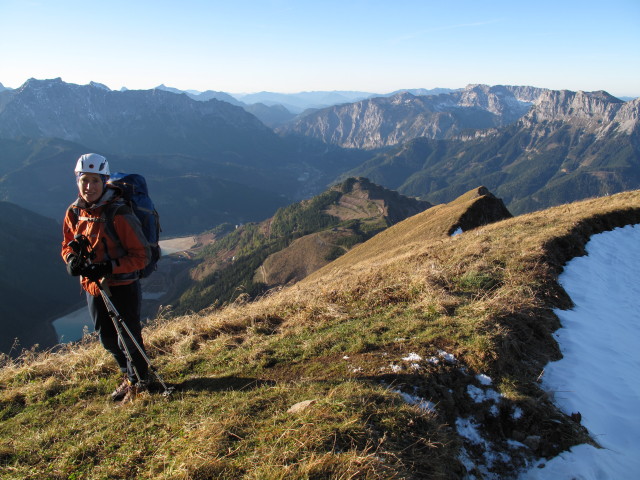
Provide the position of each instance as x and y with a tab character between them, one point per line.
120	392
134	390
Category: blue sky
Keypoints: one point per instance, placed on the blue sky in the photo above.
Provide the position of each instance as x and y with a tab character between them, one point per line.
291	46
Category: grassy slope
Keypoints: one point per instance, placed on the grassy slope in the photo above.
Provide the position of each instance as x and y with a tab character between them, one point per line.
303	256
485	296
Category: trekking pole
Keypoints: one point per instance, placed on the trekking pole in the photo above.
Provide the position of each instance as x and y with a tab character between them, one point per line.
81	246
119	323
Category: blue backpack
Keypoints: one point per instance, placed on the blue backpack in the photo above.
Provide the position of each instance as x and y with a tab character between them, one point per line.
133	188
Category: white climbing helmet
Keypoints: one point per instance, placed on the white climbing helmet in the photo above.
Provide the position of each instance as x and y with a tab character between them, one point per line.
92	163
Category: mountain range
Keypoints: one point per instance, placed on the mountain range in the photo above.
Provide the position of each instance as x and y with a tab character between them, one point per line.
134	122
169	135
568	146
277	109
297	103
386	121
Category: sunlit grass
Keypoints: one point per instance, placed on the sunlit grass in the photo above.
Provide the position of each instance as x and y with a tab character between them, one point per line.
335	339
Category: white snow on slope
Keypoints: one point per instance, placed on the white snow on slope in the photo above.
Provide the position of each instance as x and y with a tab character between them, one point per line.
599	375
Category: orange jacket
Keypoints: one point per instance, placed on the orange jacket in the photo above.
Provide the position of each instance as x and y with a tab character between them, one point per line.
131	255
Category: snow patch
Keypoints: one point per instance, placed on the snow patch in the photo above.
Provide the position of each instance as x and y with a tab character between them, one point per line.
448	357
478	395
412	357
420	402
469	429
598	374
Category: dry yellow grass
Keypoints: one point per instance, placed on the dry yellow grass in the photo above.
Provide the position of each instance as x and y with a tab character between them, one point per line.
486	296
303	256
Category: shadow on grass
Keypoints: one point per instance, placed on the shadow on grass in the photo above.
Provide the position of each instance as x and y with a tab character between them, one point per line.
218	384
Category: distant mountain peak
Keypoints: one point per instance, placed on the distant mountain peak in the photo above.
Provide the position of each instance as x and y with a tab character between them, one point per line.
100	85
35	83
393	206
163	87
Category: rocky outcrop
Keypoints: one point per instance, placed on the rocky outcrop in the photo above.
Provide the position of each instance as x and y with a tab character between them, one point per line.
362	198
483	208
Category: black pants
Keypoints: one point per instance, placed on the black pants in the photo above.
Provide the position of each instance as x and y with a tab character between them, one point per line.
127	300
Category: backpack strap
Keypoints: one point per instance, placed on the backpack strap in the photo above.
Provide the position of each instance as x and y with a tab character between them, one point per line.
75	216
109	211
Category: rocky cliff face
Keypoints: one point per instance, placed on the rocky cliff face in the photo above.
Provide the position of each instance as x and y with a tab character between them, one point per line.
385	121
508	102
595	113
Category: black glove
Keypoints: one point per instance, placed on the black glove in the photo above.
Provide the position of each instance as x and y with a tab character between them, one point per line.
74	265
96	271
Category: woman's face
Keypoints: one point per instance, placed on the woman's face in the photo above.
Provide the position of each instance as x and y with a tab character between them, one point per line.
90	187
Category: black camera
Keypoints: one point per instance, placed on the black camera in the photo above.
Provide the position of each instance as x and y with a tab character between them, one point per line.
82	248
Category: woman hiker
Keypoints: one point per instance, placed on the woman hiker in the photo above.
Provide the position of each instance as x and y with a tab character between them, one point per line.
114	261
